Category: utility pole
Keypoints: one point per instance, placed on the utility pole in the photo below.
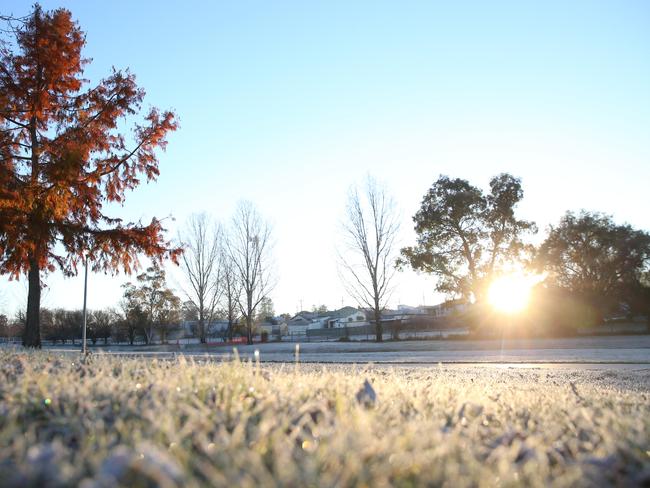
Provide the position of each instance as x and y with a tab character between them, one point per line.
84	349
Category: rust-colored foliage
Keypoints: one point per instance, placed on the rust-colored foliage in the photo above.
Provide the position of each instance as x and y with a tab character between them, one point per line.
63	159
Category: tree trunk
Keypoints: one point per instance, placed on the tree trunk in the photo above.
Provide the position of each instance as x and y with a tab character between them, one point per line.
396	324
249	330
202	338
148	334
378	329
230	327
249	317
32	334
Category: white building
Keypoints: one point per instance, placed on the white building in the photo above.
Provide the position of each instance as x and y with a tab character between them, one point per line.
346	316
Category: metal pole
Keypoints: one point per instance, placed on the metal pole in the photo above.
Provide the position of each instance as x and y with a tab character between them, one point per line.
84	348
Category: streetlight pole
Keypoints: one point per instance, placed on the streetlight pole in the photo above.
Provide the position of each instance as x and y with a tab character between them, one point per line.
84	349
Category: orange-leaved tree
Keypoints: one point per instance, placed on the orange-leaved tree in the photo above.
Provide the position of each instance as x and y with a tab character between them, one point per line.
63	159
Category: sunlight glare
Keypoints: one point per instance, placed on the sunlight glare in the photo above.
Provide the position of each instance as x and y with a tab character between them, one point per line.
510	293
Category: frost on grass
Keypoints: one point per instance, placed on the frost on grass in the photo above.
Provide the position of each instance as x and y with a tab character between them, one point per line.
134	422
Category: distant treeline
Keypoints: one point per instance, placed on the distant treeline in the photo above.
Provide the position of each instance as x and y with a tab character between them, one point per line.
63	326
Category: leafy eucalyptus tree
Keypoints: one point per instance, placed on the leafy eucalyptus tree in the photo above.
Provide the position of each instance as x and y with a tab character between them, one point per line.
151	298
598	261
465	237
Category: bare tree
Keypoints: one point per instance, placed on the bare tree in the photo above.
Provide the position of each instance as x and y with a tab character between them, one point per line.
201	264
231	286
368	254
248	247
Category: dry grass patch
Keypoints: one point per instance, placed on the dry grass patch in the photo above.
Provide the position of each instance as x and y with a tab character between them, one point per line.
106	421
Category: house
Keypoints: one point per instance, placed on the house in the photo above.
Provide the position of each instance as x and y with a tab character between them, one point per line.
448	308
343	317
298	324
444	309
302	318
214	328
275	328
330	319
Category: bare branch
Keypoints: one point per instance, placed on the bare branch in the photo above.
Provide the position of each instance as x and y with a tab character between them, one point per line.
248	248
369	240
202	267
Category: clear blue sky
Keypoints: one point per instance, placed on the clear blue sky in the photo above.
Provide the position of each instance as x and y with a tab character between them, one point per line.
289	103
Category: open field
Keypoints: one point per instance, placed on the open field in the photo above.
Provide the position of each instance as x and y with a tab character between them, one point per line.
574	350
612	349
109	420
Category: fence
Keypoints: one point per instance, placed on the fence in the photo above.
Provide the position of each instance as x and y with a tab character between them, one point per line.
394	328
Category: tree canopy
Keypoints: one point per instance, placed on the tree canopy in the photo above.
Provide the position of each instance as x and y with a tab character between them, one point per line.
590	256
151	296
63	158
266	310
465	237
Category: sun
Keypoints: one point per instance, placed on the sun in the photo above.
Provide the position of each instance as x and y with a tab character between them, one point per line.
511	293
